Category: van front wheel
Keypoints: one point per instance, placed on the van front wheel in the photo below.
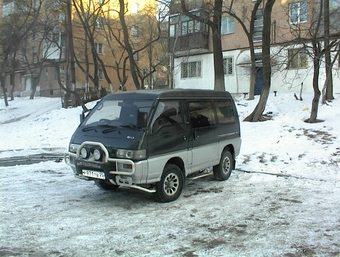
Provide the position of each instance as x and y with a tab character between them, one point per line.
171	184
223	170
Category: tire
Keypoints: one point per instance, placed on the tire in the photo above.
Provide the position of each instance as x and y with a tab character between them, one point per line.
223	170
106	185
169	188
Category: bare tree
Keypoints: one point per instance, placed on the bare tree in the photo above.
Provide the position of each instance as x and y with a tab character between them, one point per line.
313	42
257	114
18	22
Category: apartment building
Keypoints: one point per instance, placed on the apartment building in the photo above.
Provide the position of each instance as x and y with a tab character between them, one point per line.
190	45
44	61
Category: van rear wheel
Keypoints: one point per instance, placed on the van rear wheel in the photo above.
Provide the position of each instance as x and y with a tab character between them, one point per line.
223	170
106	185
171	184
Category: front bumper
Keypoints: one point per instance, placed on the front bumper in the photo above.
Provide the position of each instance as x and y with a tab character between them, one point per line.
122	172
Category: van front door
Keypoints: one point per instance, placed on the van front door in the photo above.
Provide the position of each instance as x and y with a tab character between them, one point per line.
204	134
168	137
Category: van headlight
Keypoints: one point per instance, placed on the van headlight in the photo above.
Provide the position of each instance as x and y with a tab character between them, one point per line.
73	148
131	154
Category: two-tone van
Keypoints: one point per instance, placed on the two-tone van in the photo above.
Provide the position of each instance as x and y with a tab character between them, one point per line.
153	140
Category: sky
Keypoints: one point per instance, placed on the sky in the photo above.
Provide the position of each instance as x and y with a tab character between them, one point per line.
283	199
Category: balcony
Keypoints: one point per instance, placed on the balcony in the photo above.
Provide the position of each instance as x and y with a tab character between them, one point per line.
196	41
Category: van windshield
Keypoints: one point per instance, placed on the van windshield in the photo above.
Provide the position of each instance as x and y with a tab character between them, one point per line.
120	113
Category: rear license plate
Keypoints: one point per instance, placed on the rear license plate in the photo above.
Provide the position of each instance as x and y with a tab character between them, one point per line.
94	174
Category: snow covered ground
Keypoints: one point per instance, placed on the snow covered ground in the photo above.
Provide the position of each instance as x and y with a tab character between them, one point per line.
282	200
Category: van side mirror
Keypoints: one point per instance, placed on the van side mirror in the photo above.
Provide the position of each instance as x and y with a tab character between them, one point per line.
82	115
142	118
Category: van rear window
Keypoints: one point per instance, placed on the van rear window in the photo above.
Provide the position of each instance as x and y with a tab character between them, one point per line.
201	114
225	111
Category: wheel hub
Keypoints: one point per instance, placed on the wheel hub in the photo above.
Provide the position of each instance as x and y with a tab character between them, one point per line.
171	184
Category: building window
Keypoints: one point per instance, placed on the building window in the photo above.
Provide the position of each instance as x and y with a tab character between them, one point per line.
334	4
7	9
227	26
34	54
298	13
297	58
45	74
23	57
100	74
35	5
191	69
134	8
99	47
135	55
258	25
181	25
134	31
228	66
34	35
99	23
61	16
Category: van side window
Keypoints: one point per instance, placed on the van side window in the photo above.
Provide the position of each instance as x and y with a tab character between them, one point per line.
201	114
225	111
167	113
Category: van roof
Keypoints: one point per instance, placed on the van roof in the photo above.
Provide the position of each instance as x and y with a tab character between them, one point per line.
168	93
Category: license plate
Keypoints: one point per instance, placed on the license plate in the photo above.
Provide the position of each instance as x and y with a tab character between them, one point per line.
94	174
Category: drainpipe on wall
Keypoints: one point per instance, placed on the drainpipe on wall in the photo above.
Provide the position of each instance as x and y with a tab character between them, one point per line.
236	74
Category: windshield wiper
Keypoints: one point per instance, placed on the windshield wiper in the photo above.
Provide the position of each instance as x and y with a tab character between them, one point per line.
89	128
109	129
131	126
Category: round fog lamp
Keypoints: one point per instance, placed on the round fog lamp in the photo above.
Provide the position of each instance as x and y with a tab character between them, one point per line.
84	153
97	154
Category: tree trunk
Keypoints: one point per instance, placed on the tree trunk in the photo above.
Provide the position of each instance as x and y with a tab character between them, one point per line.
328	92
12	92
252	51
256	115
217	47
34	89
2	82
127	45
70	46
317	93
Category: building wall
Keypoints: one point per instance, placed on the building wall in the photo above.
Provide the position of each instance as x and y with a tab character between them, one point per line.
283	80
205	81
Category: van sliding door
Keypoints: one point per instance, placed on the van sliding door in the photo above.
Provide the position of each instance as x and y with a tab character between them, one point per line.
204	134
